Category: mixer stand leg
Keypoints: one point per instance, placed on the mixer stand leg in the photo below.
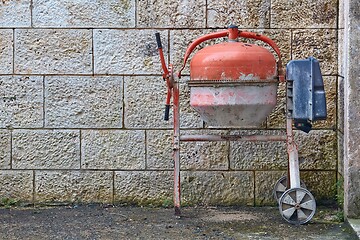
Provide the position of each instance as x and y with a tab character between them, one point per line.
293	162
176	149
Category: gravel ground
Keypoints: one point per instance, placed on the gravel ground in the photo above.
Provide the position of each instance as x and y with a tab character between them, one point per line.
124	222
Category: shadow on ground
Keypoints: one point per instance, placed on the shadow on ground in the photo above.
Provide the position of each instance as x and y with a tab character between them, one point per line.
115	222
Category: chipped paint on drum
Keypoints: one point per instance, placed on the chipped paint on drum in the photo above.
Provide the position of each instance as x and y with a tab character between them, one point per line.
240	105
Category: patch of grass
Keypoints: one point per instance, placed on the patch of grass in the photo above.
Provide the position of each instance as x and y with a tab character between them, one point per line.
8	202
167	203
340	216
340	191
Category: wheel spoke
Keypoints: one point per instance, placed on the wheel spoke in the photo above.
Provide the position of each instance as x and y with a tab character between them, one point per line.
300	196
289	212
281	187
310	205
301	215
288	200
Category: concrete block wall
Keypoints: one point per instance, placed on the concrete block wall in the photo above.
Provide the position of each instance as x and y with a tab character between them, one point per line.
81	102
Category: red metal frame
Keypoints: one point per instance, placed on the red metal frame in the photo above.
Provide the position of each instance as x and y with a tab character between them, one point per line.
172	82
293	169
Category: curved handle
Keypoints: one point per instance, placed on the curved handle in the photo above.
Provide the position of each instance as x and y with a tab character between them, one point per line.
162	58
233	33
193	45
271	43
158	40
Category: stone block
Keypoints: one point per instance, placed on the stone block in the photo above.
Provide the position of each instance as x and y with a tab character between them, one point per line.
331	93
159	154
5	149
218	188
304	14
127	51
46	149
143	187
83	102
6	51
15	13
21	102
193	155
145	100
317	149
245	155
277	118
171	14
322	184
73	186
17	185
319	43
179	41
79	13
264	187
245	14
281	37
53	51
204	155
113	149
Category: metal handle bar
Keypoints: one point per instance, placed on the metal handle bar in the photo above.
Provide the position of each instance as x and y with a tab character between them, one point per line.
166	77
233	33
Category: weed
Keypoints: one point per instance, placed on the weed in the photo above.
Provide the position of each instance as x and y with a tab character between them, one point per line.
7	202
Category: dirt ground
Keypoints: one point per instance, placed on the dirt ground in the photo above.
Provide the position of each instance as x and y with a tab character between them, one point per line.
119	222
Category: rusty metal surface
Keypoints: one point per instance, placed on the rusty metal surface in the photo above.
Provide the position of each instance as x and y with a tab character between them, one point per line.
176	149
217	138
234	106
230	83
